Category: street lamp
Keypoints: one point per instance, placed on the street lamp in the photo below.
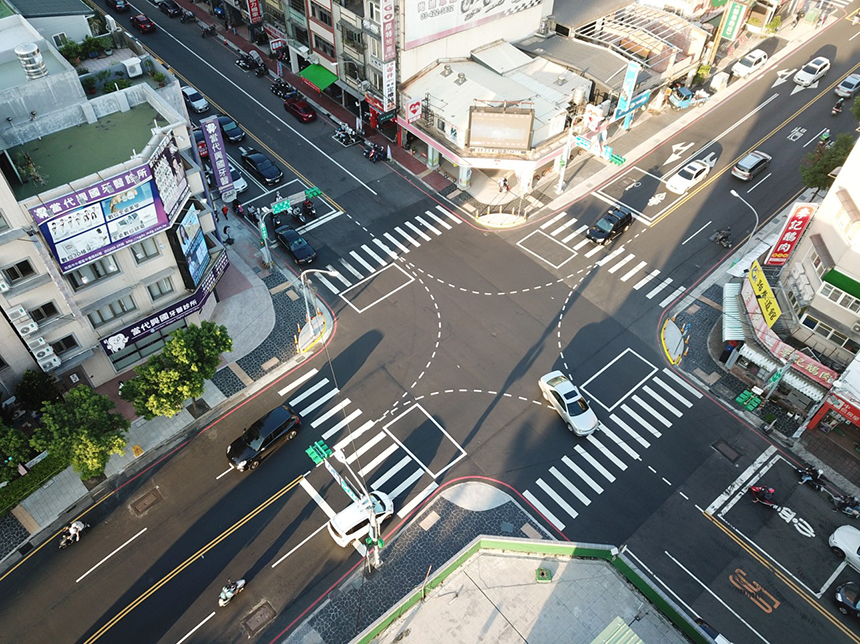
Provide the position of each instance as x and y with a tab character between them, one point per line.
755	212
308	318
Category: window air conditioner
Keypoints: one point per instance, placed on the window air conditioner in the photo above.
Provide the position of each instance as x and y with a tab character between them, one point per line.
44	352
36	343
17	314
50	363
856	327
27	329
4	285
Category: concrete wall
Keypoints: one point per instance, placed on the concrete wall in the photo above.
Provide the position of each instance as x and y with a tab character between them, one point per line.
75	28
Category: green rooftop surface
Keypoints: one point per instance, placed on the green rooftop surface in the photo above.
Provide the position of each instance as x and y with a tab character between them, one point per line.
79	151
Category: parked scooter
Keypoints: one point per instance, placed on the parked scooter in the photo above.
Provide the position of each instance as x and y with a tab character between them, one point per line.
187	16
722	237
847	505
813	476
68	535
246	62
209	31
230	590
837	109
763	494
345	135
375	152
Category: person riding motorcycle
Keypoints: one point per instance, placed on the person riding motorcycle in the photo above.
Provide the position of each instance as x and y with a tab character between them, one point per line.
839	103
811	474
75	529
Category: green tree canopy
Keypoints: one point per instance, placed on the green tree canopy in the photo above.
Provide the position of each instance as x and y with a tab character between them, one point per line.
85	427
818	164
14	449
35	389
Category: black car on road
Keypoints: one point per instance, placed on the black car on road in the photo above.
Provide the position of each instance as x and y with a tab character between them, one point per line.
263	437
301	251
613	223
262	167
170	8
230	129
118	5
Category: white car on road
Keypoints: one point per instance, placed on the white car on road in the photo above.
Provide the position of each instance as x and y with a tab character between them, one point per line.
750	63
194	100
812	72
563	395
687	177
354	522
845	542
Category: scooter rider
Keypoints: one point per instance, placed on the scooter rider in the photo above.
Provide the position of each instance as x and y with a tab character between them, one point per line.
75	529
230	589
838	107
811	474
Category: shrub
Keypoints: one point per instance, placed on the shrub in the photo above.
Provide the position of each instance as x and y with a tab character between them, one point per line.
36	388
22	487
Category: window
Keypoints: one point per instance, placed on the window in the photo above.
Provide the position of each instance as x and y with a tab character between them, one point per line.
840	297
65	345
321	14
160	288
298	5
352	38
41	313
826	331
17	272
323	46
94	272
374	12
440	125
142	251
115	309
817	264
375	48
795	303
3	223
59	39
376	79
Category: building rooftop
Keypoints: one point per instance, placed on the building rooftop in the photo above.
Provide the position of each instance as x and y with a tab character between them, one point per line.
77	152
49	8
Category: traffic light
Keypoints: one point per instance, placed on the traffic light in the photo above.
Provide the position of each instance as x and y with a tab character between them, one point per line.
318	452
617	159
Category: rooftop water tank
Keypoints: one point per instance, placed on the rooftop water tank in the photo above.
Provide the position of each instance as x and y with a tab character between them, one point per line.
31	60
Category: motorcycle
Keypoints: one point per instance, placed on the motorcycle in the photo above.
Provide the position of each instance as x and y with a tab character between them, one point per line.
847	505
722	238
67	538
282	89
374	152
187	16
813	476
763	494
837	109
230	590
252	215
261	71
209	31
345	135
246	62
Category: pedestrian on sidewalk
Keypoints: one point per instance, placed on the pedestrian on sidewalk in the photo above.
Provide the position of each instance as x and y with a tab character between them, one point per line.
797	18
224	210
822	18
503	185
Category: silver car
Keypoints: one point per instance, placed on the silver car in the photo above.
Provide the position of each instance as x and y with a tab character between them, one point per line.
750	63
195	100
845	542
812	72
848	87
565	398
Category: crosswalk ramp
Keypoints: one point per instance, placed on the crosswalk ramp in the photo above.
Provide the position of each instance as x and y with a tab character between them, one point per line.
370	258
593	464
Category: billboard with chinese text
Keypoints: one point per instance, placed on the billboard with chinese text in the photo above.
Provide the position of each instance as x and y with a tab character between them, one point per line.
798	219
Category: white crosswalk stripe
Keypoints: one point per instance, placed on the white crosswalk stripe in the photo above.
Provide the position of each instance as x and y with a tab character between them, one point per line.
659	287
394	241
635	436
337	275
594	251
605	451
588	457
367	249
427	226
331	412
656	414
576	232
405	485
319	402
439	221
581	244
448	214
353	436
673	296
621	444
617	267
672	409
549	223
633	271
310	392
298	381
382	480
376	462
385	249
361	261
423	494
565	226
346	421
641	421
334	289
400	231
366	447
682	382
555	497
349	267
570	486
415	229
542	509
645	280
609	257
590	482
672	392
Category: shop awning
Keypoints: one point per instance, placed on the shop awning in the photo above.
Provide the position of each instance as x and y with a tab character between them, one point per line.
733	324
318	76
842	282
757	356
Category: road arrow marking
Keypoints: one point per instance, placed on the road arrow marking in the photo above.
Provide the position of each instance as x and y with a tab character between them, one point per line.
800	88
782	76
678	151
711	159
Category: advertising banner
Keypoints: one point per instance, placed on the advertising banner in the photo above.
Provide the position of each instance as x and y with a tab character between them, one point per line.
389	86
389	37
799	218
189	245
766	299
83	226
153	322
429	20
627	89
413	110
732	22
218	157
255	12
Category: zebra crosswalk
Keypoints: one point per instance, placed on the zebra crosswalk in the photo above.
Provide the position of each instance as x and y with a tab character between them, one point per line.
368	259
593	464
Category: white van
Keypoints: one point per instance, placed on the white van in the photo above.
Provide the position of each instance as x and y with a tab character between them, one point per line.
354	523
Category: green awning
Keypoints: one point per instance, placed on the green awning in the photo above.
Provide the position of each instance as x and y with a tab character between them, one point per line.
842	282
318	76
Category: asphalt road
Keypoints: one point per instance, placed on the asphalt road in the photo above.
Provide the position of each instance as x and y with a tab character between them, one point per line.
433	376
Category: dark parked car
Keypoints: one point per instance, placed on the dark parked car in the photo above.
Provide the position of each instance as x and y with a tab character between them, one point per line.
120	6
231	131
751	165
143	24
302	252
262	167
301	109
170	8
848	598
613	223
202	150
263	437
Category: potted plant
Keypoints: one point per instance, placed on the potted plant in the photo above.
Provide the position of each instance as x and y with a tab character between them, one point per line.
71	51
89	84
106	45
158	77
90	47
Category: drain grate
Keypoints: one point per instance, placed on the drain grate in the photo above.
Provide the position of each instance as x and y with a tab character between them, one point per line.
144	503
507	528
257	621
727	450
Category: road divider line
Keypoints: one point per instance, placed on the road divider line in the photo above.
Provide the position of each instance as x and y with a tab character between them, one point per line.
303	542
423	494
110	555
191	632
298	381
696	233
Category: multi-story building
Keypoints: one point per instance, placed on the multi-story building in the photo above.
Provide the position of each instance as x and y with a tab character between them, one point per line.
105	242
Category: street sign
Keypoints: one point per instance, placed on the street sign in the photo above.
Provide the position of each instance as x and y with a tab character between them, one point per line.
337	477
280	206
635	104
264	233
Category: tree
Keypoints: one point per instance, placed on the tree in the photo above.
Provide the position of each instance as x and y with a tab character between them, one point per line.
85	427
14	449
35	389
855	108
189	358
816	166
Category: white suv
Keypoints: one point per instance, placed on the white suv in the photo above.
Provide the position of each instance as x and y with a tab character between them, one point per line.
354	523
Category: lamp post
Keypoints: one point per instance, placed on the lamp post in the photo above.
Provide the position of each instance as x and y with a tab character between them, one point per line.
755	212
305	288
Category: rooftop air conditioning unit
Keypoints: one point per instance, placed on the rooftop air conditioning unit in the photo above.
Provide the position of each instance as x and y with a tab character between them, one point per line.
44	352
36	343
50	363
27	329
17	314
4	285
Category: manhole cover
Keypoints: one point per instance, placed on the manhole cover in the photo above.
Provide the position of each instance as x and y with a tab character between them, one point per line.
257	621
507	528
727	450
145	502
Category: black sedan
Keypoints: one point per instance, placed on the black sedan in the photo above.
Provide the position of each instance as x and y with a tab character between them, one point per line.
263	437
230	129
143	24
262	167
848	598
170	8
117	5
302	252
612	224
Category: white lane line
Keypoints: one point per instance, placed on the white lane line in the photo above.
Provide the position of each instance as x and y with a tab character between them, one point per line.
295	383
427	226
346	421
415	229
354	435
337	275
672	297
581	244
564	505
367	249
334	289
224	473
423	494
395	241
621	264
319	222
662	401
322	383
682	382
659	287
660	417
409	482
331	412
590	482
319	402
385	249
549	223
361	261
549	516
361	451
633	271
645	280
623	445
110	555
570	486
591	438
609	477
742	480
641	421
576	232
388	451
672	392
633	434
594	251
191	632
695	233
609	257
438	220
448	214
401	232
382	480
303	542
307	487
350	268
